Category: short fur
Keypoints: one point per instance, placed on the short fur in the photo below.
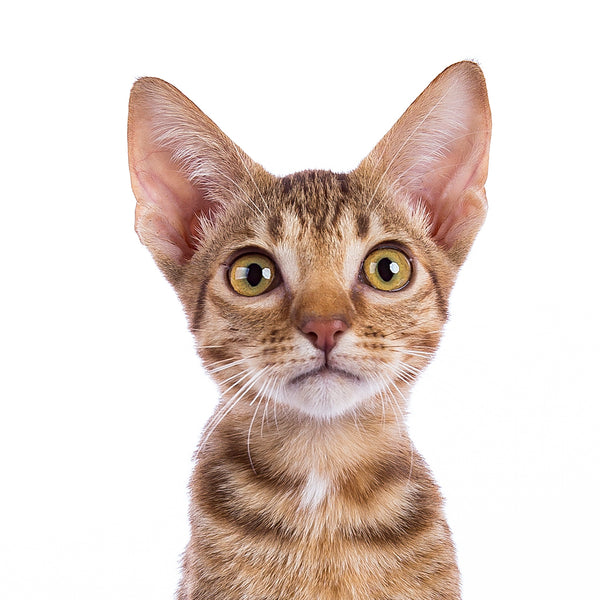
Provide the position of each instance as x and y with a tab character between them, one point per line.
306	485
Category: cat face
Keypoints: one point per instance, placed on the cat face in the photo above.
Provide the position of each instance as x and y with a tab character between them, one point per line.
317	291
331	326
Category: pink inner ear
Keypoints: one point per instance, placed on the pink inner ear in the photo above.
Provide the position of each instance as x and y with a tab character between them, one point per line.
454	193
168	207
454	219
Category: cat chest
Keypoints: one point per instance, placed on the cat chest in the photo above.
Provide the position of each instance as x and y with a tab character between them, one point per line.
384	506
315	543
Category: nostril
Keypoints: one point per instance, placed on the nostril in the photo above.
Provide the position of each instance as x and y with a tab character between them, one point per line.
324	333
312	336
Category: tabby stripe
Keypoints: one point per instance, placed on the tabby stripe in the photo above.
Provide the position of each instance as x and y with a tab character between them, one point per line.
274	226
199	309
442	301
363	222
220	498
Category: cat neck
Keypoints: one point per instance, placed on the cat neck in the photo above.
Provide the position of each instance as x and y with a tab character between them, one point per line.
344	472
282	441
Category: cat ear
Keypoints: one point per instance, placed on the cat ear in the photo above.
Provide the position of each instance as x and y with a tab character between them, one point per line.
436	156
183	168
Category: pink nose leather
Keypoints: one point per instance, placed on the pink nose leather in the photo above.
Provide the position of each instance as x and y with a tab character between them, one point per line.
324	333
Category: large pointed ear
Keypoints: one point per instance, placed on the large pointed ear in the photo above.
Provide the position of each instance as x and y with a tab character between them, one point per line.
183	168
436	156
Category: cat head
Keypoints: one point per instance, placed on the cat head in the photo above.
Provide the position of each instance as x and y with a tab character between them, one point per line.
319	291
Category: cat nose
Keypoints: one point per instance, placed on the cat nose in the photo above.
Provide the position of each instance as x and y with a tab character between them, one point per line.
324	333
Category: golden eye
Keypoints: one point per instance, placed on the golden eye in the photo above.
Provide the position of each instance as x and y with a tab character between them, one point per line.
252	274
387	269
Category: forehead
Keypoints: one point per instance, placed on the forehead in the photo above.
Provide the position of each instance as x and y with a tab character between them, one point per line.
325	209
313	216
317	201
322	207
320	217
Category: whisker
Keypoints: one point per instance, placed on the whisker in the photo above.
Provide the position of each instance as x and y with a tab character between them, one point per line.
199	346
268	394
215	421
260	395
231	364
400	419
237	377
393	384
265	410
250	428
218	417
412	352
400	349
387	395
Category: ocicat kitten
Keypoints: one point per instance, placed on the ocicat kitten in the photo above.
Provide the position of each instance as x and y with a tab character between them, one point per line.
315	300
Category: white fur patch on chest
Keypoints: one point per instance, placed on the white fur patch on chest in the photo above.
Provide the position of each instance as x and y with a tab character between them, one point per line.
314	491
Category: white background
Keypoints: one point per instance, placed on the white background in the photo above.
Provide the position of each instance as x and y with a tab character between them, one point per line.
102	397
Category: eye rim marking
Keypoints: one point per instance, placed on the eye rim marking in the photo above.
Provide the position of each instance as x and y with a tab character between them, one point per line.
371	278
244	260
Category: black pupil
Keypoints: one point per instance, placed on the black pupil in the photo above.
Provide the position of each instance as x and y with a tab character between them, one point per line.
383	268
254	276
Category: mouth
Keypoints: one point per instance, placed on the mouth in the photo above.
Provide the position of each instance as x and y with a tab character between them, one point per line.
323	372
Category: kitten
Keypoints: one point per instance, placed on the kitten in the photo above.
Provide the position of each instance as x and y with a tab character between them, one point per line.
315	300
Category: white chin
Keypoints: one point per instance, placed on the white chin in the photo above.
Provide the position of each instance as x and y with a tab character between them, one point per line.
325	396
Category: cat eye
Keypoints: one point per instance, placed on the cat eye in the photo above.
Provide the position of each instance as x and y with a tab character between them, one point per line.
387	269
252	274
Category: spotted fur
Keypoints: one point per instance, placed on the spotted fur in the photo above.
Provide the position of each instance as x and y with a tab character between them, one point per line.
306	485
